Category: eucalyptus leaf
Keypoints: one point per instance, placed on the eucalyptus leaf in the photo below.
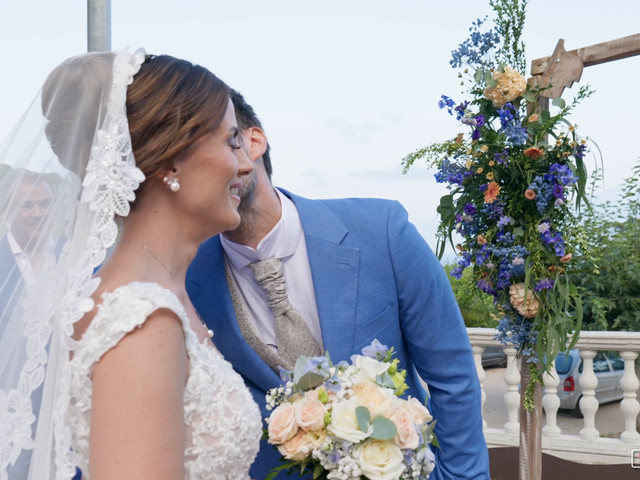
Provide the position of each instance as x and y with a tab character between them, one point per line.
309	381
383	428
385	380
558	102
300	368
364	418
529	96
518	231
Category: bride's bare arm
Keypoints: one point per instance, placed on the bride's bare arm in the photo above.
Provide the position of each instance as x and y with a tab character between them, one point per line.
137	415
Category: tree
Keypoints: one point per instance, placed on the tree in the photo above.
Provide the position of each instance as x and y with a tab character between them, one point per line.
611	231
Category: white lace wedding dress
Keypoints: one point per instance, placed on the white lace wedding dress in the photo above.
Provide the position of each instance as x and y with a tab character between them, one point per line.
222	419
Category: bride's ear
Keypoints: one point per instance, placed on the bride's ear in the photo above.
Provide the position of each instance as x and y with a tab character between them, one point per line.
167	175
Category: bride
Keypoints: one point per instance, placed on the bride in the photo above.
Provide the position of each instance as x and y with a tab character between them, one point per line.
104	363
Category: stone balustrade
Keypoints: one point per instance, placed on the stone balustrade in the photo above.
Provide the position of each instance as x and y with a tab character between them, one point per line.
588	446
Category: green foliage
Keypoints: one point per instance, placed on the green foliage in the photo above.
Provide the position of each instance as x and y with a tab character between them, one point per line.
510	17
611	232
476	306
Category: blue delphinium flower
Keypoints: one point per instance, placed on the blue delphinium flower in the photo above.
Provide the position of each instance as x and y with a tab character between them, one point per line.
515	134
504	221
376	350
474	50
446	103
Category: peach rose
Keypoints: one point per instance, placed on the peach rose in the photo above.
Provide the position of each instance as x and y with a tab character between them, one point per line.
529	194
510	86
282	424
378	400
407	436
418	411
300	446
309	414
516	294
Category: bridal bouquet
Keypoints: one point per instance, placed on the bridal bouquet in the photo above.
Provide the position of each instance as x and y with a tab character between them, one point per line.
347	421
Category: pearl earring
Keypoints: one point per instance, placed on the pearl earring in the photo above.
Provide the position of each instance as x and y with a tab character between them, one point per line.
172	183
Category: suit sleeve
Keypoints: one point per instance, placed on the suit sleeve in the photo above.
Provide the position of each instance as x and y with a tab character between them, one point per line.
438	346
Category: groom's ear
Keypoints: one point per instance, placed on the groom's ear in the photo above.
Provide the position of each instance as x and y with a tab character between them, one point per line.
255	142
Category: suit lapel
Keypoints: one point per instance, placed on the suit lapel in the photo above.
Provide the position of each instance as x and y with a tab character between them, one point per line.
207	286
334	269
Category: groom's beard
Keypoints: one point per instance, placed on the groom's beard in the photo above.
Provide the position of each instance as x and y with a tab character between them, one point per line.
247	209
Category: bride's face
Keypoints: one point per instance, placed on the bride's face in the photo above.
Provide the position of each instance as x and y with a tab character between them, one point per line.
210	176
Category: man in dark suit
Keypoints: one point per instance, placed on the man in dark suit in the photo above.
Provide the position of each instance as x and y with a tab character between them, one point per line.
355	270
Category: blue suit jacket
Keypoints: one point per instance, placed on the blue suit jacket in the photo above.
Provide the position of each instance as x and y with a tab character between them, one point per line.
374	276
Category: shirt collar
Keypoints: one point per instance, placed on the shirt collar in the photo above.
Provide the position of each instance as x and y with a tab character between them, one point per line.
281	242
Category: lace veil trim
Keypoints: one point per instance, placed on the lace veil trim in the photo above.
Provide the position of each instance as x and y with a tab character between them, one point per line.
50	313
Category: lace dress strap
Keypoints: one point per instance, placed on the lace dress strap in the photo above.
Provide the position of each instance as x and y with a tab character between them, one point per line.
122	311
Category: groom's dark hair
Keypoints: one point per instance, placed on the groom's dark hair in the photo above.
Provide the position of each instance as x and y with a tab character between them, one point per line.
247	118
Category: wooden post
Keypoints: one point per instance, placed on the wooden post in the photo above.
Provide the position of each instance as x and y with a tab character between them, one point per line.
558	71
530	452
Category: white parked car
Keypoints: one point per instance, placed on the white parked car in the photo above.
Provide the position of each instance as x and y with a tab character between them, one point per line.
608	368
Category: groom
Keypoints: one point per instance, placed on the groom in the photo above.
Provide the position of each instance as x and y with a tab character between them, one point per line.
355	270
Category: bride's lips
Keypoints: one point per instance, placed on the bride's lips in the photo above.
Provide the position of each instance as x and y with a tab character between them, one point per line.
235	190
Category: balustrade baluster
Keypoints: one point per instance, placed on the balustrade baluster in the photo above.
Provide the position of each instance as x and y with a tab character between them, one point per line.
551	402
588	402
629	405
477	358
512	397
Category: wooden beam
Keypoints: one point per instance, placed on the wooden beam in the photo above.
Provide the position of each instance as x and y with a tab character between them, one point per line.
595	54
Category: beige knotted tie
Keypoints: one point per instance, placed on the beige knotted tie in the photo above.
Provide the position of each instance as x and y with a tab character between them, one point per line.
293	337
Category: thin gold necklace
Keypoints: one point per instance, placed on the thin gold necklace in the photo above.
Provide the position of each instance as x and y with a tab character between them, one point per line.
175	280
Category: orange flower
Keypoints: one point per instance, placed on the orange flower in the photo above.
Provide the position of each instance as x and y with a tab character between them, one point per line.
459	138
492	192
566	258
480	170
489	176
529	194
533	117
533	153
482	240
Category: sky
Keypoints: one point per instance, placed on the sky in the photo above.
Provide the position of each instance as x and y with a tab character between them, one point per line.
344	88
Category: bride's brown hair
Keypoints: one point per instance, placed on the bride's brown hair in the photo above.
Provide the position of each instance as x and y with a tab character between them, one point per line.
171	104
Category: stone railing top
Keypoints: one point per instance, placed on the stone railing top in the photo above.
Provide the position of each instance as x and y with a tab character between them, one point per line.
627	341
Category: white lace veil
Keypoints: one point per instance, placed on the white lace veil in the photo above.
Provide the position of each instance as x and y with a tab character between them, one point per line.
66	171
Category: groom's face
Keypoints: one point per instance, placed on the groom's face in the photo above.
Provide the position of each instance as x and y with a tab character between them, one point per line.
249	182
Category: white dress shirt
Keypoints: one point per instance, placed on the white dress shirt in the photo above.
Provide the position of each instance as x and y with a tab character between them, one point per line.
286	242
23	260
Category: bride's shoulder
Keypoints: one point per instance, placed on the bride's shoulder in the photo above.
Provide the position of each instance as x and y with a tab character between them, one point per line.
123	306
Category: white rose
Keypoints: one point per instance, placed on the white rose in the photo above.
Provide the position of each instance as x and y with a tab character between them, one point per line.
379	459
369	368
344	423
